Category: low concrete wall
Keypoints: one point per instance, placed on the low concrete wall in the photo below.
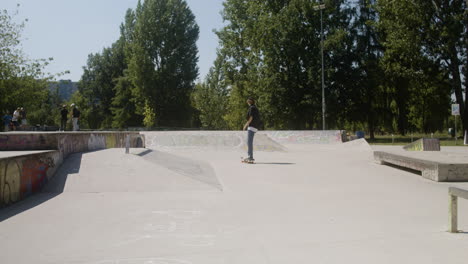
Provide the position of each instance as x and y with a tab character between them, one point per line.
265	140
81	142
20	176
68	142
28	141
209	140
307	136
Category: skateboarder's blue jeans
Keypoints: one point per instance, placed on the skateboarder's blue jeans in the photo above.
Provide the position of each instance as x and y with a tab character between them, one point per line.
250	137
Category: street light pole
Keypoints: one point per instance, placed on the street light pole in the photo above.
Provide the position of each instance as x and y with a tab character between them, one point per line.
321	7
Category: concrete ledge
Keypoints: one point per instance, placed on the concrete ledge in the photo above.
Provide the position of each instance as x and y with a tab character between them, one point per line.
23	175
430	168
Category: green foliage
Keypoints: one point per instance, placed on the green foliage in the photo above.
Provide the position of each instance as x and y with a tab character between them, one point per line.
149	119
418	80
273	52
163	62
210	98
23	82
149	72
97	85
236	109
390	65
124	104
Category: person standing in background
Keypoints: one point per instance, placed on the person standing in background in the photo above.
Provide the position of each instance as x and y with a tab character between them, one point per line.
64	118
75	117
23	117
15	119
7	121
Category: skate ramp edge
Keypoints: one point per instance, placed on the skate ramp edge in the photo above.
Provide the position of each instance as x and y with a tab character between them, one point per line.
358	144
308	136
218	140
264	140
194	169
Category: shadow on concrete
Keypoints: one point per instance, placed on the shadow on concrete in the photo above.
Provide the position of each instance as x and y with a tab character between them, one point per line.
275	163
71	165
24	205
403	168
146	152
53	188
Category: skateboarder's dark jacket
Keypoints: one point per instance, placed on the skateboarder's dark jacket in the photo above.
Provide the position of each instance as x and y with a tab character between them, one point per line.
253	112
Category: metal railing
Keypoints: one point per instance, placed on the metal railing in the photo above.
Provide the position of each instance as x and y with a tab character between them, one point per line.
454	193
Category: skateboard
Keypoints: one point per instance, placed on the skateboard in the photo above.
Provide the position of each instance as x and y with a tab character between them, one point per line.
247	161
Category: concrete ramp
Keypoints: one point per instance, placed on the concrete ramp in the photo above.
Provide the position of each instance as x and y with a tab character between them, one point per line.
358	144
221	140
194	169
142	171
424	144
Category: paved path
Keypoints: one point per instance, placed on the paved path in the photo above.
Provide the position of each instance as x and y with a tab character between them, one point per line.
310	204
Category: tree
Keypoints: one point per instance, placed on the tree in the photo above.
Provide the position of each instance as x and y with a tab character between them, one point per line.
273	53
23	82
418	57
97	84
163	62
210	97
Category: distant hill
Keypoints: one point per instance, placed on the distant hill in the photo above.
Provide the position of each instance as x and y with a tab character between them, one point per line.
65	88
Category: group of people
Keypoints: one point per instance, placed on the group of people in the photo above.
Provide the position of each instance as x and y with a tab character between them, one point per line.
13	122
75	117
17	120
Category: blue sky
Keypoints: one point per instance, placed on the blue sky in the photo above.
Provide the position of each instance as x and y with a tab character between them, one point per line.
69	30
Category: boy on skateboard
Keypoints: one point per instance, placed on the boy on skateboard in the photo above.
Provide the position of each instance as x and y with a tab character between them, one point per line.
252	126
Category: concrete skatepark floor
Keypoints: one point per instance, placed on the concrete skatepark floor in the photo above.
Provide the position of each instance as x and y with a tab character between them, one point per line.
308	204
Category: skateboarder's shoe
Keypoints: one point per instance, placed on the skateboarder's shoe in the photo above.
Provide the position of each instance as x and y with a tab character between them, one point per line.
248	160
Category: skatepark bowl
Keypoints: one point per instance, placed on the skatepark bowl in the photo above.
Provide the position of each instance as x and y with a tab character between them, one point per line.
186	198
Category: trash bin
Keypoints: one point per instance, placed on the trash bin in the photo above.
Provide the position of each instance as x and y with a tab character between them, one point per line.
451	132
360	134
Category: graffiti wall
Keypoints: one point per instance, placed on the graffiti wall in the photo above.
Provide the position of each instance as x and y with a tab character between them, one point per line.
21	176
69	142
27	141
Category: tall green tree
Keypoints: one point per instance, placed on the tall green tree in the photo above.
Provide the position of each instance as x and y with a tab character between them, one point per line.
416	60
126	100
97	85
163	63
365	96
274	53
210	97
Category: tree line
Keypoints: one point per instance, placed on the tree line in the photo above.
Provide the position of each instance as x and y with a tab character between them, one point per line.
390	66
